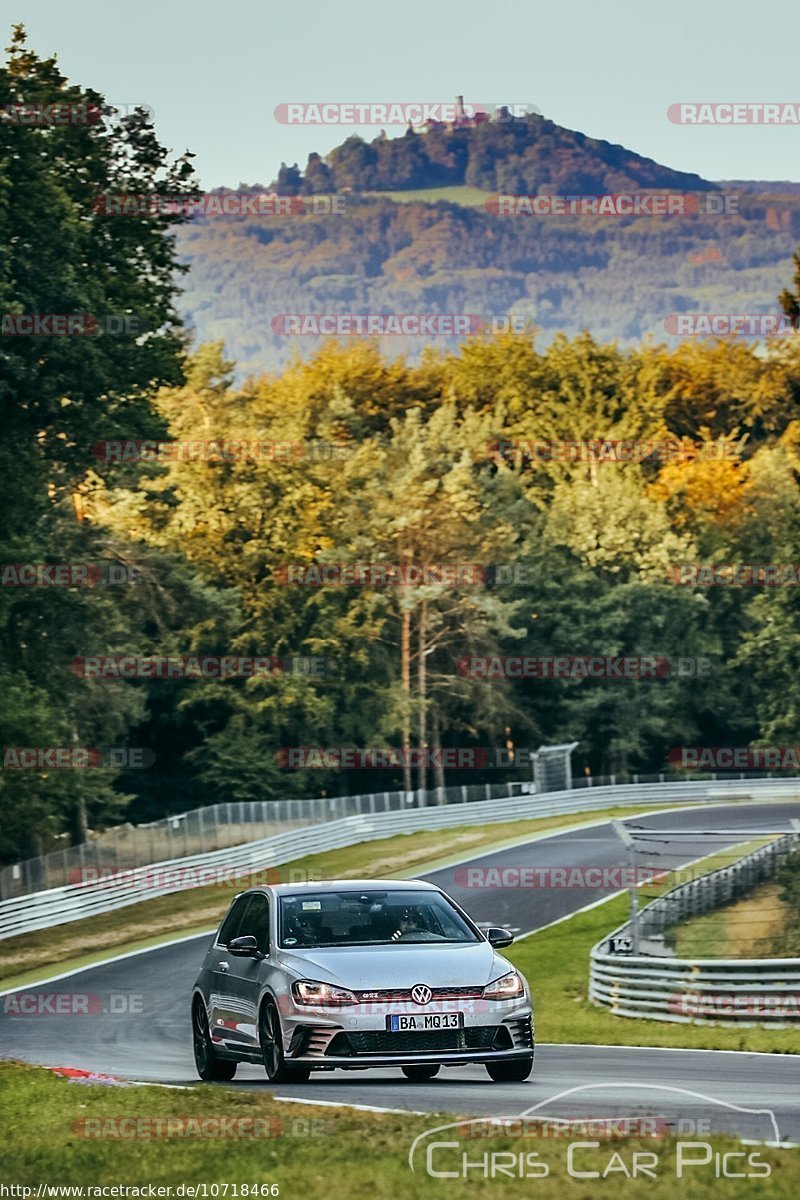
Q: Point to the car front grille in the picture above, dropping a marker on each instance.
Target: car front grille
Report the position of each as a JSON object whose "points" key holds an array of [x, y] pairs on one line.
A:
{"points": [[401, 995], [379, 1041]]}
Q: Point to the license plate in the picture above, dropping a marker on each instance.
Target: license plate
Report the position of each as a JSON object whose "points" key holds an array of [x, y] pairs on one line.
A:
{"points": [[406, 1021]]}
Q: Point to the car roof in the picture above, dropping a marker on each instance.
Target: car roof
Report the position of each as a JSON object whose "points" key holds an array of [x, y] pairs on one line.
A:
{"points": [[348, 885]]}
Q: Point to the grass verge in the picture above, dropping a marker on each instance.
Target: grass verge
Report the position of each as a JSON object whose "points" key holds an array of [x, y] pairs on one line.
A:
{"points": [[556, 963], [330, 1154], [754, 927]]}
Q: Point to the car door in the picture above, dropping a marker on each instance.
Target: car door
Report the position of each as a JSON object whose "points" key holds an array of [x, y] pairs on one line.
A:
{"points": [[218, 963], [242, 978]]}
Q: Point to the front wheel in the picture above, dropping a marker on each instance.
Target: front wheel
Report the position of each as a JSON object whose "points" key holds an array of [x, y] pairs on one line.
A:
{"points": [[209, 1066], [514, 1071], [269, 1033], [422, 1073]]}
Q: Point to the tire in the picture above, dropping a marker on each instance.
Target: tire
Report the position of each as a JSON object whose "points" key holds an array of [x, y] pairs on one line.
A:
{"points": [[271, 1041], [209, 1066], [421, 1073], [514, 1071]]}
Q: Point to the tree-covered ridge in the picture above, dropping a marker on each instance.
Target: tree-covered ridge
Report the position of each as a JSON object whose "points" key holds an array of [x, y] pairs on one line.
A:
{"points": [[619, 277], [518, 155]]}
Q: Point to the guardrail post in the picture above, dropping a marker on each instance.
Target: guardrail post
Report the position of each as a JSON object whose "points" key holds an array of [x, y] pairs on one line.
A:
{"points": [[628, 841]]}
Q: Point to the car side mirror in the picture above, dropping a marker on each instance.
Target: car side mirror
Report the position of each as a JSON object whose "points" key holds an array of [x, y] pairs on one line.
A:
{"points": [[499, 937], [244, 947]]}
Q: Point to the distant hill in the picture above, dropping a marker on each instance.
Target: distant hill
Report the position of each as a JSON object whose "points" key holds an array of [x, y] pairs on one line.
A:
{"points": [[434, 245], [763, 187], [517, 154]]}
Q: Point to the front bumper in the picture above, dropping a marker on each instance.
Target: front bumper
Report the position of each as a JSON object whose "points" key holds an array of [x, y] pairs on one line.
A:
{"points": [[361, 1062], [357, 1035]]}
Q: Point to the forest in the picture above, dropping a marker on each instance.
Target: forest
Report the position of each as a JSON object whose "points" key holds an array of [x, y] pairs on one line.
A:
{"points": [[347, 456]]}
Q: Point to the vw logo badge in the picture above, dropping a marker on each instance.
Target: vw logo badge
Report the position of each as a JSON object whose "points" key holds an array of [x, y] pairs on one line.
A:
{"points": [[421, 994]]}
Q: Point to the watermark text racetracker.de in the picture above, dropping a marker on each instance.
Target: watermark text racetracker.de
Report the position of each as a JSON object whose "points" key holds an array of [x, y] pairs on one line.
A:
{"points": [[198, 1128], [76, 574], [617, 878], [377, 324], [71, 1004], [174, 878], [200, 666], [616, 204], [735, 758], [409, 112], [46, 116], [331, 574], [735, 112], [381, 758], [614, 450], [613, 667], [219, 450], [77, 758], [721, 1006], [80, 324], [606, 878], [217, 204], [730, 325], [396, 324], [735, 574]]}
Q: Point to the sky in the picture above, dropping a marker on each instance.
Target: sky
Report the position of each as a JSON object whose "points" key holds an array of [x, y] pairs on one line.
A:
{"points": [[214, 73]]}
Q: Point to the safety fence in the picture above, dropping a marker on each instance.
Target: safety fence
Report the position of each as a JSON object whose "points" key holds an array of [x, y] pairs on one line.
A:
{"points": [[704, 990], [218, 826], [122, 884]]}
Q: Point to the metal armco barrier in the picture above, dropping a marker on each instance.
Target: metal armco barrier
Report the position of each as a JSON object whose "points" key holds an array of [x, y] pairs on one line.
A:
{"points": [[700, 990], [58, 905], [234, 823]]}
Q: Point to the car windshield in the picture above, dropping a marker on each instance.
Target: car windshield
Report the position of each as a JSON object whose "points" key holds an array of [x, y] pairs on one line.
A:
{"points": [[359, 918]]}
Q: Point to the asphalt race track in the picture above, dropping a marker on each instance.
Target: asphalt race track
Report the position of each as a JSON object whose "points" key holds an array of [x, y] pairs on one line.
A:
{"points": [[137, 1026]]}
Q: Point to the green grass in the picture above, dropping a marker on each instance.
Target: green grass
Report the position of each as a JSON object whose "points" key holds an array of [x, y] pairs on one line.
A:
{"points": [[759, 925], [314, 1153], [556, 963], [79, 943], [467, 197]]}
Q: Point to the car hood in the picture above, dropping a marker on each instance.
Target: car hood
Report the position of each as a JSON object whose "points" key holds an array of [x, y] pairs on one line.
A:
{"points": [[366, 967]]}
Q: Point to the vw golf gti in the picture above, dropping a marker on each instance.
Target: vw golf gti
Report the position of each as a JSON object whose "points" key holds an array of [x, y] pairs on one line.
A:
{"points": [[352, 975]]}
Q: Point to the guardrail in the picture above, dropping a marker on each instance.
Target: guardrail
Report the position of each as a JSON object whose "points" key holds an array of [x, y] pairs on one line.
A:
{"points": [[233, 823], [699, 990], [114, 890], [215, 827]]}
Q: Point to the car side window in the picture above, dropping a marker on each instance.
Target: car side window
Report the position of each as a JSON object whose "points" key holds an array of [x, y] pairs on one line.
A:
{"points": [[230, 926], [256, 921]]}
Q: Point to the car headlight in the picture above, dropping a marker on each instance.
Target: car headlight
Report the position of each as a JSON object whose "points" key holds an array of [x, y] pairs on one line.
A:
{"points": [[308, 991], [507, 987]]}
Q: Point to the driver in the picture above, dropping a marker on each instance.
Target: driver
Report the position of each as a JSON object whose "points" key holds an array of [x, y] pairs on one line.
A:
{"points": [[301, 927], [408, 921]]}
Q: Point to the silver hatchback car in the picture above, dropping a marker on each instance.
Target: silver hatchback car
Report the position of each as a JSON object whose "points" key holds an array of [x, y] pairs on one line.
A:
{"points": [[356, 974]]}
